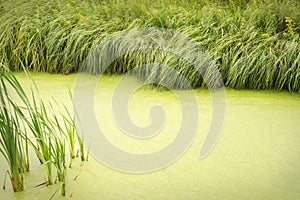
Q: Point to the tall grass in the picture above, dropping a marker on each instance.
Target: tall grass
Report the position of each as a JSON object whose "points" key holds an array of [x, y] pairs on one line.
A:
{"points": [[11, 143], [34, 115], [255, 43], [27, 122], [73, 137], [59, 155]]}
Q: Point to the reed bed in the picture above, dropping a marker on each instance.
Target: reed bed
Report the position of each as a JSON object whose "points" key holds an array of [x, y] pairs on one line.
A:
{"points": [[255, 43], [27, 122], [56, 37]]}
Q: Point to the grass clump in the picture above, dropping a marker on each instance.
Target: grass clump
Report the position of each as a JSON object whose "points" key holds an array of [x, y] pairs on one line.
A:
{"points": [[11, 142], [255, 43], [25, 123]]}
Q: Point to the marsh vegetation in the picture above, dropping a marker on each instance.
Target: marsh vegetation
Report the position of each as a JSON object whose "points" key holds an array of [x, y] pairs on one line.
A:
{"points": [[255, 45]]}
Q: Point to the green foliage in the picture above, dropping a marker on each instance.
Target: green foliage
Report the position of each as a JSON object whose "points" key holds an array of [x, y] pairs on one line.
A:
{"points": [[11, 143], [255, 43], [22, 117]]}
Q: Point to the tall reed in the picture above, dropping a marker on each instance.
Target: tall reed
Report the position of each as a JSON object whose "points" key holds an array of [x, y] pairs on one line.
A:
{"points": [[255, 43], [34, 115], [11, 142], [21, 116], [59, 155]]}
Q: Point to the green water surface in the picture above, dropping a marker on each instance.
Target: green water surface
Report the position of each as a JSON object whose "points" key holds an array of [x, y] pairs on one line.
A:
{"points": [[256, 157]]}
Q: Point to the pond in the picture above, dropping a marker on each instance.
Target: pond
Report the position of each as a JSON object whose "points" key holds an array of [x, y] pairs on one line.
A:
{"points": [[256, 156]]}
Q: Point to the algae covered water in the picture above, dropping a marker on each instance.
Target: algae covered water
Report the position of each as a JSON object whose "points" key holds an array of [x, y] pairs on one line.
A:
{"points": [[256, 157]]}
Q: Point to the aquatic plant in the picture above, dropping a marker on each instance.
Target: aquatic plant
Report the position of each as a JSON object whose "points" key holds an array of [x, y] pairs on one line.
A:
{"points": [[11, 141], [59, 156], [255, 43], [10, 145], [21, 116], [35, 117]]}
